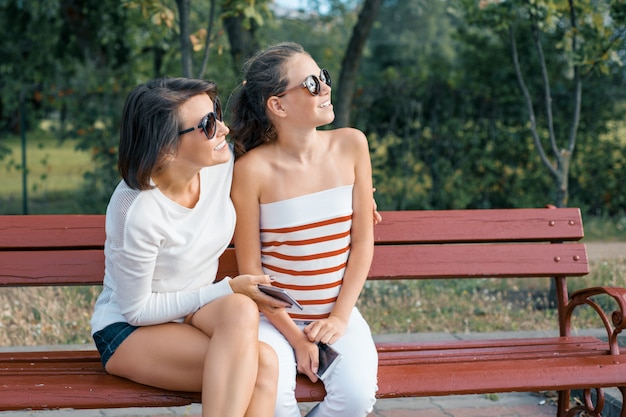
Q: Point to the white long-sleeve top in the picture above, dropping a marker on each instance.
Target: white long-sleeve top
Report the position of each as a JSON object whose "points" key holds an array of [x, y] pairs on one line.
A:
{"points": [[161, 258]]}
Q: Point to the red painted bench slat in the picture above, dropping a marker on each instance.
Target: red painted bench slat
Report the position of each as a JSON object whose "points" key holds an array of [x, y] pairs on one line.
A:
{"points": [[436, 226], [26, 268], [526, 375], [449, 226], [52, 231], [83, 391], [69, 267]]}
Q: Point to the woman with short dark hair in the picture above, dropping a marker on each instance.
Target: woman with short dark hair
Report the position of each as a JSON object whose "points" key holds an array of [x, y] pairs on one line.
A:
{"points": [[161, 319]]}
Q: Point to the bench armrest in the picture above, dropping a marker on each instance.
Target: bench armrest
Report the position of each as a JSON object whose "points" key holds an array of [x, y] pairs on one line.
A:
{"points": [[614, 326]]}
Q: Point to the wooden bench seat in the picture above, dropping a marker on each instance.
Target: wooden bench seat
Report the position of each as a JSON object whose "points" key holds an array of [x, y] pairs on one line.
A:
{"points": [[519, 243]]}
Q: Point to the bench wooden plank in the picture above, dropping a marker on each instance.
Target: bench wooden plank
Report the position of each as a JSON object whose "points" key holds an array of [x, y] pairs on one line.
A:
{"points": [[84, 391], [77, 267], [490, 350], [52, 231], [472, 261], [70, 267], [449, 226], [526, 375], [434, 226]]}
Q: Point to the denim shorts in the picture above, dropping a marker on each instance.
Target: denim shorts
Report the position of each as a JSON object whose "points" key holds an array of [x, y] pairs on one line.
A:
{"points": [[110, 338]]}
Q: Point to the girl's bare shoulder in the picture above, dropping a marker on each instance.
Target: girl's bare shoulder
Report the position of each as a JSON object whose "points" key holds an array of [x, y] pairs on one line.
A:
{"points": [[346, 138], [253, 157]]}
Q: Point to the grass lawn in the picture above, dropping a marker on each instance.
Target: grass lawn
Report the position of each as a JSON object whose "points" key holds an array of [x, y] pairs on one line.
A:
{"points": [[60, 315], [55, 171]]}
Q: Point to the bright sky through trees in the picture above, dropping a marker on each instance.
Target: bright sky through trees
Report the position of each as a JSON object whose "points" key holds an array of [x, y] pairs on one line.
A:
{"points": [[291, 4]]}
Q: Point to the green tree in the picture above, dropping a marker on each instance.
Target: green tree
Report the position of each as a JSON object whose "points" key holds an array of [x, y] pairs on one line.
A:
{"points": [[67, 58], [404, 101], [200, 28], [446, 120], [583, 41], [351, 60], [242, 20]]}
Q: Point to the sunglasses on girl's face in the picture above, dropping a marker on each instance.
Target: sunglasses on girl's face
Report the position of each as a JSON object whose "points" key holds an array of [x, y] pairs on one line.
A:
{"points": [[208, 122], [312, 83]]}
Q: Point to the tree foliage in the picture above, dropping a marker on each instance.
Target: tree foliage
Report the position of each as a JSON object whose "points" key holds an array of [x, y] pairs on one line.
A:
{"points": [[435, 86], [351, 60], [582, 41], [447, 113]]}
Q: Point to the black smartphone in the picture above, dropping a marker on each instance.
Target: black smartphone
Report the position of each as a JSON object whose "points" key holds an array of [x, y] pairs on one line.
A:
{"points": [[327, 360], [280, 294]]}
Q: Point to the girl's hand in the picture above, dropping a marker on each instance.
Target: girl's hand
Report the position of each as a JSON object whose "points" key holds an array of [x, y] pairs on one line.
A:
{"points": [[377, 216], [307, 359], [326, 330]]}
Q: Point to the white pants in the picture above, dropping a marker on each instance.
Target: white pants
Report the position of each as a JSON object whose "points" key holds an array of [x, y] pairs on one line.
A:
{"points": [[352, 385]]}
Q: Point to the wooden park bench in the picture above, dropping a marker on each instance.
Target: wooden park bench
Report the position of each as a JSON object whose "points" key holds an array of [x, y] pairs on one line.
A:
{"points": [[43, 250]]}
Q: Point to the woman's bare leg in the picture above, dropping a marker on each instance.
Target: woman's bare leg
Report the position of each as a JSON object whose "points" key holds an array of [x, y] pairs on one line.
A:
{"points": [[217, 354], [233, 356], [263, 400]]}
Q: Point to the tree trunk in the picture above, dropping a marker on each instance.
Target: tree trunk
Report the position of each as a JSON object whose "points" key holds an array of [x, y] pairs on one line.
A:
{"points": [[559, 169], [242, 41], [207, 45], [351, 60], [185, 43], [77, 22]]}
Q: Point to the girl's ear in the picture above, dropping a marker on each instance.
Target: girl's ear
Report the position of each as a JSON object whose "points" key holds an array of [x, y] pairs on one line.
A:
{"points": [[275, 107]]}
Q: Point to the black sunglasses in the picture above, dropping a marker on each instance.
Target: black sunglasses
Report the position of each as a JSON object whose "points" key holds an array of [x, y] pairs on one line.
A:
{"points": [[312, 83], [208, 122]]}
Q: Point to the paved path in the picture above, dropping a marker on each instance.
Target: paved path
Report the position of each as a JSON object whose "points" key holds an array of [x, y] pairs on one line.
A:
{"points": [[606, 250], [501, 405]]}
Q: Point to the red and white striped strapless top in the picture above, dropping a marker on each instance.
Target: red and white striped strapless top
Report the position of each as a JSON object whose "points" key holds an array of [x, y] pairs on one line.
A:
{"points": [[305, 243]]}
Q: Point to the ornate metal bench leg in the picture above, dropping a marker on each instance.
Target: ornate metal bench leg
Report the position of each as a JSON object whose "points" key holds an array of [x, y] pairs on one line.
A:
{"points": [[563, 404], [587, 408], [623, 391]]}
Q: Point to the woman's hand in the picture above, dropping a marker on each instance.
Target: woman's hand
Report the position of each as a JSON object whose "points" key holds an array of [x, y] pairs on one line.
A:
{"points": [[326, 330], [248, 285]]}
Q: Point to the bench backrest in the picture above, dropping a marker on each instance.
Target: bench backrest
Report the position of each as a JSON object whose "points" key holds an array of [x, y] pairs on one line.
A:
{"points": [[68, 249]]}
